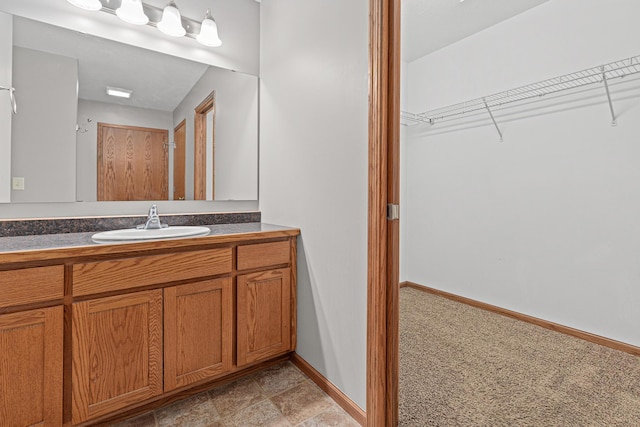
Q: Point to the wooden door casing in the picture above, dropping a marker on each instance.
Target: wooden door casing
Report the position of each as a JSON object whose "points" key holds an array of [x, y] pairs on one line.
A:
{"points": [[198, 331], [263, 315], [179, 161], [116, 353], [132, 163], [31, 354], [200, 182], [383, 253]]}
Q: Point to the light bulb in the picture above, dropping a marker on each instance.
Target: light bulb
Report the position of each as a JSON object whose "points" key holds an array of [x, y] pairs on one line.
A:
{"points": [[87, 4], [209, 32], [131, 11], [171, 23]]}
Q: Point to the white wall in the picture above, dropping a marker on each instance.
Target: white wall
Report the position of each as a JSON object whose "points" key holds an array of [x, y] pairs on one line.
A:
{"points": [[546, 222], [313, 171], [87, 148], [6, 54], [43, 132], [403, 172], [236, 132]]}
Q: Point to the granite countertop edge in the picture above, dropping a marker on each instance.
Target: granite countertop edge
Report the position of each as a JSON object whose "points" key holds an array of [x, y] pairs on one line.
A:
{"points": [[18, 245]]}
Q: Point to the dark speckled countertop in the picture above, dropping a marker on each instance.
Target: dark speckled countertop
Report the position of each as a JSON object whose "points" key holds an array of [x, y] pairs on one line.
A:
{"points": [[20, 244], [38, 227]]}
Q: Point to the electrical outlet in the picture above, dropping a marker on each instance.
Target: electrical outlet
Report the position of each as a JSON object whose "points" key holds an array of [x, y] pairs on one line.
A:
{"points": [[18, 183]]}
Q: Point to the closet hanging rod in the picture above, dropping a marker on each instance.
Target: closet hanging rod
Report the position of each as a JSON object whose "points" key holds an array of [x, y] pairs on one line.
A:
{"points": [[599, 74]]}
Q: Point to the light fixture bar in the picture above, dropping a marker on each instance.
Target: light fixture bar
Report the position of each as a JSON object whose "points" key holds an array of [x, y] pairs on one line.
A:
{"points": [[192, 27]]}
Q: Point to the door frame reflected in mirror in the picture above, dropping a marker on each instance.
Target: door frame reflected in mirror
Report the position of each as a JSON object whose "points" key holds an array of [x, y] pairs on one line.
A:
{"points": [[204, 175]]}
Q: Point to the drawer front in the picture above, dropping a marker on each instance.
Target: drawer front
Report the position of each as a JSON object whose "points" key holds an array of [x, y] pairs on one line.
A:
{"points": [[106, 276], [264, 255], [31, 285]]}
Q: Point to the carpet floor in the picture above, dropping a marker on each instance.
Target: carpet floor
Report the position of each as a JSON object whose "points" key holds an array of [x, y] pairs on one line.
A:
{"points": [[463, 366]]}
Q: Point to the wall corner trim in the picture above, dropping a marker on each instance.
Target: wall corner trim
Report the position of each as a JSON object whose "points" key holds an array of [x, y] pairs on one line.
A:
{"points": [[334, 392]]}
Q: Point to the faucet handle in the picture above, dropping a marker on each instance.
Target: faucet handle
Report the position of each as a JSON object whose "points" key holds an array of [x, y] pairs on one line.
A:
{"points": [[153, 220]]}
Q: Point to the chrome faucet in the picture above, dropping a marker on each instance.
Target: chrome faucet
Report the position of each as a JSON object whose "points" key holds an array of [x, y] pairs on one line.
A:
{"points": [[153, 220]]}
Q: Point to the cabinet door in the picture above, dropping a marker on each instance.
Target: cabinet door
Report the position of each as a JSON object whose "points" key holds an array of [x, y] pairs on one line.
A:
{"points": [[264, 315], [117, 353], [31, 368], [198, 332]]}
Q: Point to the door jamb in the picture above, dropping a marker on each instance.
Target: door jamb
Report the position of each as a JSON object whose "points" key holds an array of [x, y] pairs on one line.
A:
{"points": [[383, 242], [200, 147]]}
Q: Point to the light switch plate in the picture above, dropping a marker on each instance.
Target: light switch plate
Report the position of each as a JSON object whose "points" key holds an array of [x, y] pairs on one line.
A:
{"points": [[17, 183]]}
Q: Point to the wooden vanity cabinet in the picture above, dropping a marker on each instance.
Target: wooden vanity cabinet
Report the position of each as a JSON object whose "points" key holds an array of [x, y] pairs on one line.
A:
{"points": [[264, 315], [31, 367], [127, 328], [198, 332], [117, 353], [31, 346], [265, 303], [132, 347]]}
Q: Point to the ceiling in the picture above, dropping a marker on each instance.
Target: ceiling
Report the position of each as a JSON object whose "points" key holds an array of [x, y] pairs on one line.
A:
{"points": [[429, 25], [158, 81]]}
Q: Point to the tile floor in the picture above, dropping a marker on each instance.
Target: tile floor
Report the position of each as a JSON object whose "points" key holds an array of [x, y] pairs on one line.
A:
{"points": [[279, 396]]}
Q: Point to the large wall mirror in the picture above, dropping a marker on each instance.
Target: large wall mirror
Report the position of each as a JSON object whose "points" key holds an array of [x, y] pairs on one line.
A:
{"points": [[188, 131]]}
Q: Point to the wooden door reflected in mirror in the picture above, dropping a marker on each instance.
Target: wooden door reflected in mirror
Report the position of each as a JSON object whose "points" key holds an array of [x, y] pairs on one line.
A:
{"points": [[132, 163]]}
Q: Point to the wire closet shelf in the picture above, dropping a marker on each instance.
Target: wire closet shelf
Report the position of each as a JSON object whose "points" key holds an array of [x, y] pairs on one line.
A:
{"points": [[600, 74]]}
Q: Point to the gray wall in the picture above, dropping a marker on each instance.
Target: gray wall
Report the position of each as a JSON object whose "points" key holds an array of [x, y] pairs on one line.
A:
{"points": [[100, 112], [6, 48], [313, 171], [43, 132], [546, 222], [236, 132]]}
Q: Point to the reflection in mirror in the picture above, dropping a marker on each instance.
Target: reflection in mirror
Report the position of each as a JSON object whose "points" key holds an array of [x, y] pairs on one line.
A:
{"points": [[73, 142]]}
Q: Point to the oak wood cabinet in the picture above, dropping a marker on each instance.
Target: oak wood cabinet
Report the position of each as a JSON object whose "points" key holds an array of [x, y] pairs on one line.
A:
{"points": [[31, 345], [198, 331], [265, 300], [89, 334], [31, 367], [117, 353], [264, 315]]}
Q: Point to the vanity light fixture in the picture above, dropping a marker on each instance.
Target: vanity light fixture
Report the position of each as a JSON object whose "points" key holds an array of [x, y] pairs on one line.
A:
{"points": [[119, 92], [131, 11], [168, 20], [209, 32], [87, 4], [171, 23]]}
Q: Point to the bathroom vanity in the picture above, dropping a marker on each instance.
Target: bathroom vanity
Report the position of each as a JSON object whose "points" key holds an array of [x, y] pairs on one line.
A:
{"points": [[95, 331]]}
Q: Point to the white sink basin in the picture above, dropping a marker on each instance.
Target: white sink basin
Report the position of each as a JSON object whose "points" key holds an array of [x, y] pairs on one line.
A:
{"points": [[135, 234]]}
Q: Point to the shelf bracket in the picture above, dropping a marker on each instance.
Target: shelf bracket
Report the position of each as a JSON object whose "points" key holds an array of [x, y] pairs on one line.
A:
{"points": [[12, 98], [492, 118], [606, 87]]}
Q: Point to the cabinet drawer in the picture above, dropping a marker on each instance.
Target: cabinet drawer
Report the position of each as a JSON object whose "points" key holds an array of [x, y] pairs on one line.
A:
{"points": [[31, 285], [263, 255], [106, 276]]}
